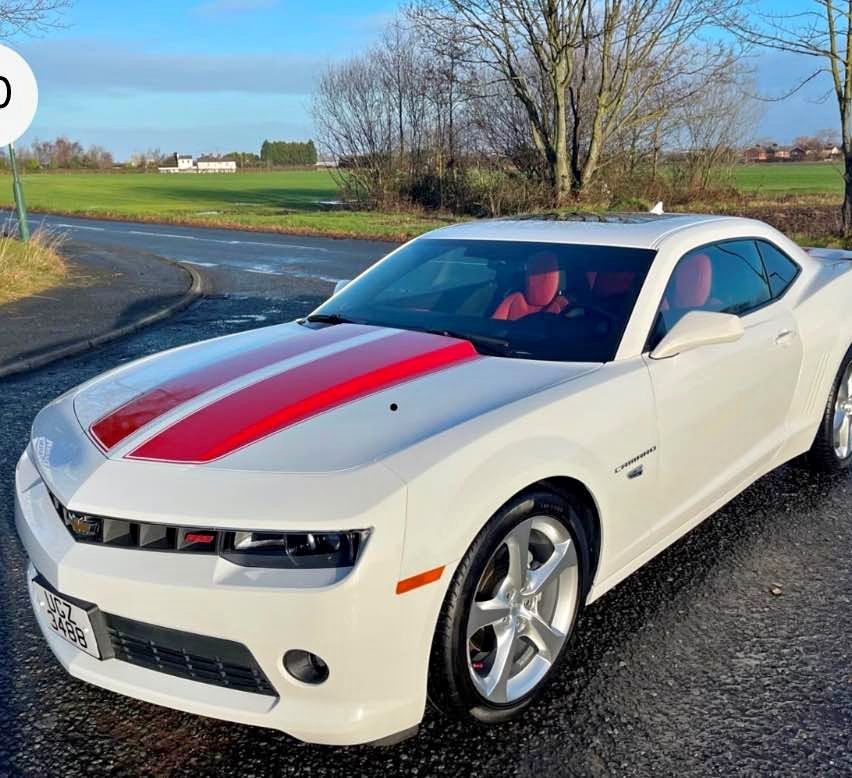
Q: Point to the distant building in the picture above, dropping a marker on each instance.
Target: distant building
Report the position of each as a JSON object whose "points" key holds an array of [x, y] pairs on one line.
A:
{"points": [[775, 153], [184, 163], [755, 154], [215, 165]]}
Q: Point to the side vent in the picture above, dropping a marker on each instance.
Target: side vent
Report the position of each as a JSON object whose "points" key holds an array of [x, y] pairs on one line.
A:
{"points": [[815, 397]]}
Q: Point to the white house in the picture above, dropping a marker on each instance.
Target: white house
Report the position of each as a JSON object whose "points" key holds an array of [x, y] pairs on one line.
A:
{"points": [[184, 163], [215, 165]]}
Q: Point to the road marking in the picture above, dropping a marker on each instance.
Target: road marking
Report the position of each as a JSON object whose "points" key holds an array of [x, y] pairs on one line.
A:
{"points": [[151, 234], [80, 227], [200, 264]]}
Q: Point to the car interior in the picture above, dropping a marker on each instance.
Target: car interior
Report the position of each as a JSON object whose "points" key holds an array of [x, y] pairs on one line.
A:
{"points": [[547, 301]]}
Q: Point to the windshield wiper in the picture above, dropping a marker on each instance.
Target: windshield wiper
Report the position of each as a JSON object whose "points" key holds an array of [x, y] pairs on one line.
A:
{"points": [[328, 318], [487, 343]]}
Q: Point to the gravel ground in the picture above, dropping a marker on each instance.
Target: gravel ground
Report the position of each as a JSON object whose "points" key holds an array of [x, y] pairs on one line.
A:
{"points": [[692, 666]]}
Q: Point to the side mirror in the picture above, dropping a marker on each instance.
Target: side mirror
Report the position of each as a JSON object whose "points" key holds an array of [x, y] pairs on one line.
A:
{"points": [[699, 328], [341, 285]]}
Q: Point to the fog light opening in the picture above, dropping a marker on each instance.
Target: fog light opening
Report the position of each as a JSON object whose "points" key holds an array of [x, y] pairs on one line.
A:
{"points": [[305, 666]]}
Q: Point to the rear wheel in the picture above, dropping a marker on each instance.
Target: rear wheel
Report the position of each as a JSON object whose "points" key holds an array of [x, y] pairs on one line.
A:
{"points": [[832, 448], [510, 610]]}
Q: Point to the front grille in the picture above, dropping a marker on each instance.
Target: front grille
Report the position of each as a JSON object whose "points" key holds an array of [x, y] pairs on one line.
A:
{"points": [[106, 531], [187, 655]]}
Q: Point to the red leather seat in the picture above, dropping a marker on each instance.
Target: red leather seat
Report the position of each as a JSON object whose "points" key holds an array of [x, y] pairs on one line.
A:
{"points": [[541, 293], [693, 281], [691, 284]]}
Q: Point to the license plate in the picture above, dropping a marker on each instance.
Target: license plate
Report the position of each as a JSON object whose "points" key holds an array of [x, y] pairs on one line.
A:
{"points": [[67, 620]]}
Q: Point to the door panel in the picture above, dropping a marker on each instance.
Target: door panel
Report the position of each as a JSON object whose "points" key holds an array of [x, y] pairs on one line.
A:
{"points": [[722, 411]]}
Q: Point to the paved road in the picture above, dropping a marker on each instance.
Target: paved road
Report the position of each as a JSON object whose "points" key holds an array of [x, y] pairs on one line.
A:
{"points": [[690, 667], [240, 262]]}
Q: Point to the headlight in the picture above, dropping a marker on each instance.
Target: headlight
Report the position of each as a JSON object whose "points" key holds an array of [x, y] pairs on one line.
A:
{"points": [[294, 550]]}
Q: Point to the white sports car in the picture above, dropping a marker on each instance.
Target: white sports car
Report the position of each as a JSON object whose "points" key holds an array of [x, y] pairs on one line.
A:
{"points": [[412, 492]]}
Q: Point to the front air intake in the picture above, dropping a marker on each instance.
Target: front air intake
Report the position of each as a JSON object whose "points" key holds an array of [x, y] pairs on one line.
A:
{"points": [[105, 531]]}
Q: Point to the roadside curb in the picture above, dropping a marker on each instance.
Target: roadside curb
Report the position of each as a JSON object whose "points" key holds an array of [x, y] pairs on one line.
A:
{"points": [[196, 290]]}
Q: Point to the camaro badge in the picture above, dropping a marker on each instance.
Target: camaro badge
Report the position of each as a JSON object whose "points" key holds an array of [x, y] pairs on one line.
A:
{"points": [[636, 472]]}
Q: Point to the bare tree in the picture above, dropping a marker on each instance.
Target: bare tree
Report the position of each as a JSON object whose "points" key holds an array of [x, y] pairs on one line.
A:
{"points": [[29, 16], [639, 61], [709, 130], [530, 45], [98, 157], [393, 117], [356, 124], [822, 31], [585, 71], [444, 115]]}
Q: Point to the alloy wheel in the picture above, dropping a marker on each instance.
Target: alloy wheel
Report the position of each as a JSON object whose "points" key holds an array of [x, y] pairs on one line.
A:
{"points": [[523, 609], [842, 423]]}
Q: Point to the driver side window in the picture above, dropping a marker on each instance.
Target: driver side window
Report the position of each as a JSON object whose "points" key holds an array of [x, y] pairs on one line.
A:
{"points": [[727, 277]]}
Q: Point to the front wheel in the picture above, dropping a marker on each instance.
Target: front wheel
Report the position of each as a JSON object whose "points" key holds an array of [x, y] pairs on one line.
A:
{"points": [[831, 451], [510, 609]]}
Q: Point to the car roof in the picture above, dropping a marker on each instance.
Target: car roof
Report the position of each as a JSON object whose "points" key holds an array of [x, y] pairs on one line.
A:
{"points": [[635, 230]]}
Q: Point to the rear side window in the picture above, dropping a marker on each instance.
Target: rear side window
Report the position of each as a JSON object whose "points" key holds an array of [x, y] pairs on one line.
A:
{"points": [[780, 269], [739, 284]]}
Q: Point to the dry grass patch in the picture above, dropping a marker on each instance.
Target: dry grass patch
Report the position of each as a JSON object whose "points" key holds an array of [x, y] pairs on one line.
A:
{"points": [[28, 268]]}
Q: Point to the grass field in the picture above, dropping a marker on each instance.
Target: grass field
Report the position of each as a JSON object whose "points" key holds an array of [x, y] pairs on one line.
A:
{"points": [[293, 201], [279, 201], [793, 178]]}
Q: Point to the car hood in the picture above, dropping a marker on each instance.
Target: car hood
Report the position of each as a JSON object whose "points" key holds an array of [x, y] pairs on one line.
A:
{"points": [[291, 398]]}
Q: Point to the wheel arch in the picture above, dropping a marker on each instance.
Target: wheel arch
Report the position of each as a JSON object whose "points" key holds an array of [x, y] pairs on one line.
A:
{"points": [[589, 516]]}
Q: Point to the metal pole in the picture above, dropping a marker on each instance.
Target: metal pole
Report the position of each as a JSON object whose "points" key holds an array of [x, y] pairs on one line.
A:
{"points": [[18, 192]]}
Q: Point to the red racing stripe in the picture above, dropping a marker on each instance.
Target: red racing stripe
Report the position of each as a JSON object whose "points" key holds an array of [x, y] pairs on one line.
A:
{"points": [[119, 424], [294, 395]]}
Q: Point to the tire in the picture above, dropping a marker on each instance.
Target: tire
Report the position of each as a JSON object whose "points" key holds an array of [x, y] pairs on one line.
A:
{"points": [[831, 451], [524, 625]]}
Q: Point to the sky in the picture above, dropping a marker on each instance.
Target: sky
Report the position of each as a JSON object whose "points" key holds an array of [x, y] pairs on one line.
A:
{"points": [[200, 76]]}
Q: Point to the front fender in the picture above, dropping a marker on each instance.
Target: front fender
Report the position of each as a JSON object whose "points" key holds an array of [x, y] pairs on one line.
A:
{"points": [[584, 430]]}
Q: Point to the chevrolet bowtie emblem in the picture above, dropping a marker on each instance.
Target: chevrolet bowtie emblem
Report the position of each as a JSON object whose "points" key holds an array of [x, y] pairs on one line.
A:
{"points": [[83, 526]]}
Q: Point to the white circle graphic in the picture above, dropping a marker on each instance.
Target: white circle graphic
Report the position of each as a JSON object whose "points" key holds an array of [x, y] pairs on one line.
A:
{"points": [[18, 96]]}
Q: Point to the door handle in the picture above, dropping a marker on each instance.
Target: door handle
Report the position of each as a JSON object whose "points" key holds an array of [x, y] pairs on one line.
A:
{"points": [[784, 337]]}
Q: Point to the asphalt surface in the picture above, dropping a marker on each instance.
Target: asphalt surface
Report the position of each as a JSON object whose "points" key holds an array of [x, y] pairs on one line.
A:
{"points": [[693, 666], [108, 289], [236, 261]]}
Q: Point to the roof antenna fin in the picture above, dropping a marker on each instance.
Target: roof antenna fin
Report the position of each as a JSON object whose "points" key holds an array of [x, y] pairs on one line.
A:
{"points": [[657, 210]]}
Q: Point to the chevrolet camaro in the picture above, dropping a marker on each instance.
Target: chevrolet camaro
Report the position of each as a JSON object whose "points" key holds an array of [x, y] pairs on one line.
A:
{"points": [[410, 494]]}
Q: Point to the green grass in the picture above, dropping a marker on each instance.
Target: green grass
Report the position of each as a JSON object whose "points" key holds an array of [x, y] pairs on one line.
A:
{"points": [[794, 178], [278, 201], [292, 201]]}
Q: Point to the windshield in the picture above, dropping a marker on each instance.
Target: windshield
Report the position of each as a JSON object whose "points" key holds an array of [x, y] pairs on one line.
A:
{"points": [[551, 301]]}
